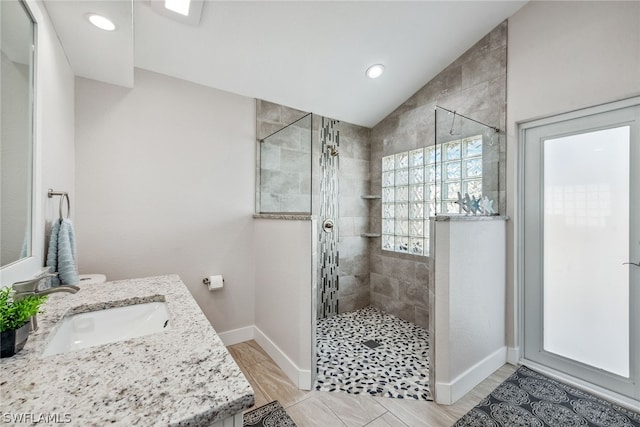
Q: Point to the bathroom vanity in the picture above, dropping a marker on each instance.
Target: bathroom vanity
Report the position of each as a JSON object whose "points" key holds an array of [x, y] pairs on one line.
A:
{"points": [[182, 375]]}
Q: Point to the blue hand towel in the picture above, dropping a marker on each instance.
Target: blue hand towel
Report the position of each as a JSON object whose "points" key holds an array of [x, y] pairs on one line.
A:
{"points": [[52, 254], [61, 256]]}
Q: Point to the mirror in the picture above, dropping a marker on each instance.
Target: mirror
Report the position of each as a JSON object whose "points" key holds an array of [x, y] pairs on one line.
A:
{"points": [[16, 124]]}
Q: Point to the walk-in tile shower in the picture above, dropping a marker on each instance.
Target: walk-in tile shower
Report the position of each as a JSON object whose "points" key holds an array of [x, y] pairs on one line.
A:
{"points": [[339, 196], [372, 192]]}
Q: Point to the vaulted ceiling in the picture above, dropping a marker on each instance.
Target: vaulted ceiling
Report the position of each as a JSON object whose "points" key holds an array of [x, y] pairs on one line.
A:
{"points": [[310, 55]]}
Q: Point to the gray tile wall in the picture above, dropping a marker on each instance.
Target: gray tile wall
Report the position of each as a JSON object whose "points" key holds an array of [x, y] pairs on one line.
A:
{"points": [[474, 85], [354, 181]]}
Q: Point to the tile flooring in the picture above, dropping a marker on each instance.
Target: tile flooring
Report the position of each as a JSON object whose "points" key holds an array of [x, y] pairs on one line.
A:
{"points": [[340, 409], [370, 351]]}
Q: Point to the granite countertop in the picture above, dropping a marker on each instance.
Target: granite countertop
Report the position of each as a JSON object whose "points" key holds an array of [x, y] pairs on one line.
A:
{"points": [[183, 376]]}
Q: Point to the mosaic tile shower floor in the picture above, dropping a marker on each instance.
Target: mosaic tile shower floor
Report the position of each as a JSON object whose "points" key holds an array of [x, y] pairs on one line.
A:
{"points": [[398, 367]]}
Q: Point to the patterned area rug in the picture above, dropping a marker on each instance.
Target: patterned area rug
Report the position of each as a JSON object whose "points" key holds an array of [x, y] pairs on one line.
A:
{"points": [[369, 351], [528, 398], [269, 415]]}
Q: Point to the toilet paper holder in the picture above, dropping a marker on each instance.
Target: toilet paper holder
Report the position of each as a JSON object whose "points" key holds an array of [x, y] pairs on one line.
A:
{"points": [[207, 281]]}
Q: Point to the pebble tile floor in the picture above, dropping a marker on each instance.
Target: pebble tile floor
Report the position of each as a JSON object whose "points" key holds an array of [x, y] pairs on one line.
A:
{"points": [[398, 367]]}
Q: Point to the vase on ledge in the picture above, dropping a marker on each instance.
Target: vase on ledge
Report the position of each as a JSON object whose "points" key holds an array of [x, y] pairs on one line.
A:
{"points": [[11, 342]]}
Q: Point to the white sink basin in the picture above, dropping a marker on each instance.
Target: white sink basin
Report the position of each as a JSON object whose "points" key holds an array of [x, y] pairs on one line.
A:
{"points": [[106, 326]]}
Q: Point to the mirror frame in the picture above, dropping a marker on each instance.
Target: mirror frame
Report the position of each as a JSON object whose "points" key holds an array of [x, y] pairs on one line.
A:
{"points": [[28, 267]]}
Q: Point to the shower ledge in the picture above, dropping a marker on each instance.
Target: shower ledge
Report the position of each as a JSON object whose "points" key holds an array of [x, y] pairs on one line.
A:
{"points": [[288, 217], [463, 217], [371, 197], [370, 235]]}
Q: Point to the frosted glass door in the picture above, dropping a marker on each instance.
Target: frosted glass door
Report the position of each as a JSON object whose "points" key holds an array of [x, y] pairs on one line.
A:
{"points": [[581, 226], [586, 225]]}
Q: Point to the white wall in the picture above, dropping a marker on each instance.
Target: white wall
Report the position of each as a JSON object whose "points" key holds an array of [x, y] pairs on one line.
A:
{"points": [[55, 129], [469, 281], [284, 294], [563, 56], [165, 184]]}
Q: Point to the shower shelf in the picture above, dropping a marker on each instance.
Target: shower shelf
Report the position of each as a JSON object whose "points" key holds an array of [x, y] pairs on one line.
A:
{"points": [[370, 235], [371, 197]]}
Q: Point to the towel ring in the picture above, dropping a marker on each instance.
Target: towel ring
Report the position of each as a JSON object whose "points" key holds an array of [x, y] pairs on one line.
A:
{"points": [[63, 195]]}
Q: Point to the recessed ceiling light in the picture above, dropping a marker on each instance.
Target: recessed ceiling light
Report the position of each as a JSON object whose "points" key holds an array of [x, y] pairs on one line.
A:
{"points": [[375, 71], [185, 11], [101, 22], [178, 6]]}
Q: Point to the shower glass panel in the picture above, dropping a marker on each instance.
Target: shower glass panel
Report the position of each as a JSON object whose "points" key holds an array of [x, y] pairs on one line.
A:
{"points": [[467, 158], [463, 163], [285, 170]]}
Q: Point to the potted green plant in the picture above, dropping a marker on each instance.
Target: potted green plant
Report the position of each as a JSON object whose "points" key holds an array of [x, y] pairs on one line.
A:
{"points": [[14, 320]]}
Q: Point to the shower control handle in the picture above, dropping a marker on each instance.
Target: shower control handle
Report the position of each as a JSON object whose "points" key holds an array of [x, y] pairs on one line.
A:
{"points": [[327, 225]]}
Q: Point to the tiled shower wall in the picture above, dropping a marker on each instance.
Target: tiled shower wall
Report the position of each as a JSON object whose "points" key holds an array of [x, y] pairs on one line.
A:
{"points": [[474, 85], [353, 174], [354, 182]]}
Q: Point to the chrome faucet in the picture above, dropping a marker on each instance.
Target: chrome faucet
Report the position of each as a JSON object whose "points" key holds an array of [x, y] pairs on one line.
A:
{"points": [[30, 288]]}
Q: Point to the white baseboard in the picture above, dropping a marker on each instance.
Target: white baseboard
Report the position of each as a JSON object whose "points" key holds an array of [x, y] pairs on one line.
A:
{"points": [[304, 379], [449, 393], [239, 335], [513, 355], [300, 377]]}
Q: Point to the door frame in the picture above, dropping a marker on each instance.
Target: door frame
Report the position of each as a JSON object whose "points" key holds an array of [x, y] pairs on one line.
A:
{"points": [[522, 127]]}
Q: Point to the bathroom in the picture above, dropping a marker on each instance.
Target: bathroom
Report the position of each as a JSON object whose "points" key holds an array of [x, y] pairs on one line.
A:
{"points": [[157, 190]]}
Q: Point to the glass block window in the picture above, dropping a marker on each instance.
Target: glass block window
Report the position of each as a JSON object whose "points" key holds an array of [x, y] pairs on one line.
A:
{"points": [[418, 184]]}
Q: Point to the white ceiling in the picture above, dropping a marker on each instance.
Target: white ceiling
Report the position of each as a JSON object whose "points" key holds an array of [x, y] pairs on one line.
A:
{"points": [[309, 55], [93, 53]]}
